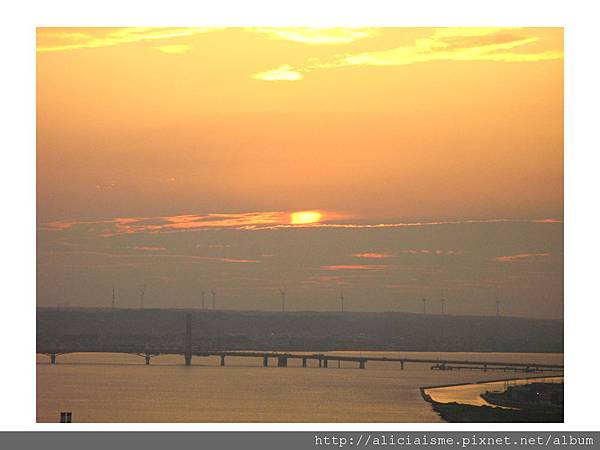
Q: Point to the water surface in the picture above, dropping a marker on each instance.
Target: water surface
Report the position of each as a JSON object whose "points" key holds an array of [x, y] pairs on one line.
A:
{"points": [[121, 388]]}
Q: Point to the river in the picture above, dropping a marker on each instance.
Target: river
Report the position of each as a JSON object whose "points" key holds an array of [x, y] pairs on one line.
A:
{"points": [[99, 387]]}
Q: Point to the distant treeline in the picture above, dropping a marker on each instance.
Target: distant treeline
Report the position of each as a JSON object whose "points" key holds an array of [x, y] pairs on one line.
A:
{"points": [[296, 331]]}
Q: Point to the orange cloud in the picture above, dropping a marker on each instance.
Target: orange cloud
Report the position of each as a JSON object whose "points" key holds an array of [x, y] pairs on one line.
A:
{"points": [[156, 255], [373, 255], [521, 257], [356, 267], [245, 221]]}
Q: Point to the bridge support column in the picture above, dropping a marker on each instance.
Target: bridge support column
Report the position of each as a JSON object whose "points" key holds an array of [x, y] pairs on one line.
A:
{"points": [[325, 363], [361, 364], [282, 361], [222, 360], [320, 362], [147, 357], [52, 358], [401, 365], [265, 361], [303, 362], [339, 363]]}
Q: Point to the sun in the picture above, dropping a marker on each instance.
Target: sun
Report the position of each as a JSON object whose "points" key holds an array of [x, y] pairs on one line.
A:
{"points": [[303, 217]]}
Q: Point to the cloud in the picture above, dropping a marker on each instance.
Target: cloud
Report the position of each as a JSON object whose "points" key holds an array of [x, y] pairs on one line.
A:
{"points": [[446, 44], [356, 267], [373, 255], [316, 36], [521, 257], [281, 73], [245, 221], [177, 50], [62, 39], [182, 257], [149, 248], [424, 251]]}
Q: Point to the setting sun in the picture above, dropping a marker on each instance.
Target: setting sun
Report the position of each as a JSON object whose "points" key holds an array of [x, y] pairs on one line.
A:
{"points": [[302, 217]]}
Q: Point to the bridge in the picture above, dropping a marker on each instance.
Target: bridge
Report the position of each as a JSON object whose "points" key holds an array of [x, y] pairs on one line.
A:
{"points": [[188, 351], [322, 359]]}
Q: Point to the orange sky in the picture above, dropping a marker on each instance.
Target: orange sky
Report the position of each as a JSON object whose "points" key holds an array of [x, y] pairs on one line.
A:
{"points": [[376, 123], [426, 161]]}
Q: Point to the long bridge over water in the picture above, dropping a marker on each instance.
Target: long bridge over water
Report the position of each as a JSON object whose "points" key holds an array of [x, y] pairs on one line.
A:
{"points": [[188, 351]]}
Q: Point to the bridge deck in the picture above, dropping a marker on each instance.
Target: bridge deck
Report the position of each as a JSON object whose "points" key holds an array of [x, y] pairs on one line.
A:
{"points": [[307, 356]]}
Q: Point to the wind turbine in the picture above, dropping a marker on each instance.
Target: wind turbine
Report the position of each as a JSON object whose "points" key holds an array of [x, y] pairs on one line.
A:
{"points": [[142, 292], [424, 300], [214, 294], [282, 292], [497, 303], [203, 294], [113, 298], [443, 302], [342, 299]]}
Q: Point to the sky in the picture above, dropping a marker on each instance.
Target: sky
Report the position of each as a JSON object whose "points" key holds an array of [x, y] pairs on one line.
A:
{"points": [[428, 163]]}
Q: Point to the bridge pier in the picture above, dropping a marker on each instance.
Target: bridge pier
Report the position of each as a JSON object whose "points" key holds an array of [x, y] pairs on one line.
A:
{"points": [[282, 361], [147, 357], [222, 360], [361, 364], [265, 361], [303, 362], [320, 362], [325, 363], [339, 363], [52, 358], [401, 365]]}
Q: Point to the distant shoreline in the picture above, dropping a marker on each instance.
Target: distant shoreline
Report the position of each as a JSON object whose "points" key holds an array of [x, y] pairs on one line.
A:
{"points": [[453, 412], [489, 381]]}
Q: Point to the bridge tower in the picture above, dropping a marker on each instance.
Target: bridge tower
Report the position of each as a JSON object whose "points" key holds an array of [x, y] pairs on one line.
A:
{"points": [[188, 339]]}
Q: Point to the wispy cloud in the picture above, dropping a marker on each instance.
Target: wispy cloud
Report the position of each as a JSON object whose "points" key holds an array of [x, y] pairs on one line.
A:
{"points": [[281, 73], [316, 36], [62, 39], [372, 255], [425, 251], [445, 44], [521, 257], [356, 267], [149, 248], [154, 256], [250, 221]]}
